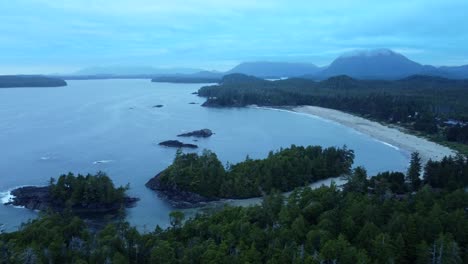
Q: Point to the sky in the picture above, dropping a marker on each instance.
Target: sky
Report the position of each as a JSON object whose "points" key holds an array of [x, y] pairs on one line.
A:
{"points": [[63, 36]]}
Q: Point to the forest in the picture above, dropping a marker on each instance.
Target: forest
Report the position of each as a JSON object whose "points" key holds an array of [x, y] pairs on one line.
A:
{"points": [[282, 170], [414, 217], [70, 190], [434, 106]]}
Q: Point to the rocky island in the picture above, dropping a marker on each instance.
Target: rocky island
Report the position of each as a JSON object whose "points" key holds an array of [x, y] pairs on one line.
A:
{"points": [[202, 133], [193, 179], [177, 144], [89, 194]]}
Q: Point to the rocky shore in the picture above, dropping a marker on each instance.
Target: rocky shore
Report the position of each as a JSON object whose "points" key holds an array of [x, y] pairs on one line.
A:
{"points": [[39, 198], [176, 197]]}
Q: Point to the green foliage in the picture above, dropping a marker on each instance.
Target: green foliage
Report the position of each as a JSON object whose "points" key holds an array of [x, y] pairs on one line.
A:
{"points": [[324, 225], [282, 170], [450, 172], [71, 190], [414, 102], [414, 171]]}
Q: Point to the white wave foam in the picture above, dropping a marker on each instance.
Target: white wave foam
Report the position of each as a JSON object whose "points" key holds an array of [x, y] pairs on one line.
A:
{"points": [[388, 144], [102, 161], [6, 197]]}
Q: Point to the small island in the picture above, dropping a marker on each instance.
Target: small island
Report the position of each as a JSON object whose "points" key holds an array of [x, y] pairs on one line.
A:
{"points": [[15, 81], [202, 133], [158, 106], [81, 194], [177, 144], [193, 179]]}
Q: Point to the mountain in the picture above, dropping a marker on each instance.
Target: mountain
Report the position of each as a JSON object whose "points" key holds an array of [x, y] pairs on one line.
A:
{"points": [[136, 70], [374, 64], [274, 69]]}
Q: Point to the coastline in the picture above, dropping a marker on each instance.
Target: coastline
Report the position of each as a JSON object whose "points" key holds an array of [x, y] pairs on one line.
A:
{"points": [[390, 136]]}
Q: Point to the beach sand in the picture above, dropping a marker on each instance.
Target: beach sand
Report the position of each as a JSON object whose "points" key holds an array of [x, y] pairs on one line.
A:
{"points": [[393, 136]]}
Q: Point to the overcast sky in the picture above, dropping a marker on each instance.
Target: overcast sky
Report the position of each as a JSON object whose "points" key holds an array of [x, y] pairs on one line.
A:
{"points": [[60, 36]]}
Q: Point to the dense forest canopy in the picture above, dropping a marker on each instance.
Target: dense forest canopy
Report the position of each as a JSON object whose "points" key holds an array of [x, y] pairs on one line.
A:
{"points": [[377, 220], [71, 190], [422, 103], [282, 170]]}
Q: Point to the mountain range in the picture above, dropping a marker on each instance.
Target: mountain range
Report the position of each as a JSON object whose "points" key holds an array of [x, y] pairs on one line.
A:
{"points": [[362, 64]]}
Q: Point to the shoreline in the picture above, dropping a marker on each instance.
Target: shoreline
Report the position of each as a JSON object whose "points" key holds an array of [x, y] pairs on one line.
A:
{"points": [[390, 136]]}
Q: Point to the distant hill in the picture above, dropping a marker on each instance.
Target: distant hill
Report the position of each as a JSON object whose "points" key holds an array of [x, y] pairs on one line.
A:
{"points": [[274, 69], [199, 77], [378, 64], [385, 64], [373, 64], [458, 72], [136, 70], [12, 81]]}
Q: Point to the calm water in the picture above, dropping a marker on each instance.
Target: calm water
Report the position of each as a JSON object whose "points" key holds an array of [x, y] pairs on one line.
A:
{"points": [[45, 132]]}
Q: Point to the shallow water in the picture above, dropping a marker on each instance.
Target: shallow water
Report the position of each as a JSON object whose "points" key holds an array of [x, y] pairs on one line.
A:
{"points": [[111, 125]]}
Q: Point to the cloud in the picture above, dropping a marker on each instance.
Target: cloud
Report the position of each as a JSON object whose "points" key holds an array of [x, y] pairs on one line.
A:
{"points": [[99, 32]]}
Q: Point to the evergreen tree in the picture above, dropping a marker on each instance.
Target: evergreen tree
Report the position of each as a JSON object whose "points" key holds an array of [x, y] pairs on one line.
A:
{"points": [[414, 172]]}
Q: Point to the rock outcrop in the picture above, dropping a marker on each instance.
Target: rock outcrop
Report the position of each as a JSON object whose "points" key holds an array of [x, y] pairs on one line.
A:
{"points": [[204, 133], [176, 197], [177, 144]]}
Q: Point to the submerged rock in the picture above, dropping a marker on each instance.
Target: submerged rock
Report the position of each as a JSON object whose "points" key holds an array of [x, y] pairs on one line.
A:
{"points": [[158, 106], [177, 144], [198, 133]]}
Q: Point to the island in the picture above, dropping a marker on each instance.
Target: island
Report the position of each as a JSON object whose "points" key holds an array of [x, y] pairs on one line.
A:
{"points": [[16, 81], [158, 106], [202, 133], [81, 194], [194, 179], [177, 144]]}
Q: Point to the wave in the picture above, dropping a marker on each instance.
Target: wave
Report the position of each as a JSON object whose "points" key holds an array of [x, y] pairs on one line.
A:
{"points": [[102, 161], [6, 196], [388, 144]]}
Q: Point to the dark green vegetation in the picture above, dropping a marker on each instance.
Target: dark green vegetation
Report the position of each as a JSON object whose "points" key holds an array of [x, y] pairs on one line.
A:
{"points": [[369, 221], [283, 170], [72, 191], [80, 194], [423, 104], [11, 81]]}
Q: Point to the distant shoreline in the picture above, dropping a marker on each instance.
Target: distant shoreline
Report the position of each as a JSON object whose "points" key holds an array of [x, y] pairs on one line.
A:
{"points": [[391, 136]]}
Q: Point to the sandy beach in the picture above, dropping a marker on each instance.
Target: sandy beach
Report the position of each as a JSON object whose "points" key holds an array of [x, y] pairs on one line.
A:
{"points": [[393, 136]]}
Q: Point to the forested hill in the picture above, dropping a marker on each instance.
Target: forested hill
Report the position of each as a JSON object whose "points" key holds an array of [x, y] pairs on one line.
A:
{"points": [[435, 106], [389, 218], [12, 81], [283, 170]]}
